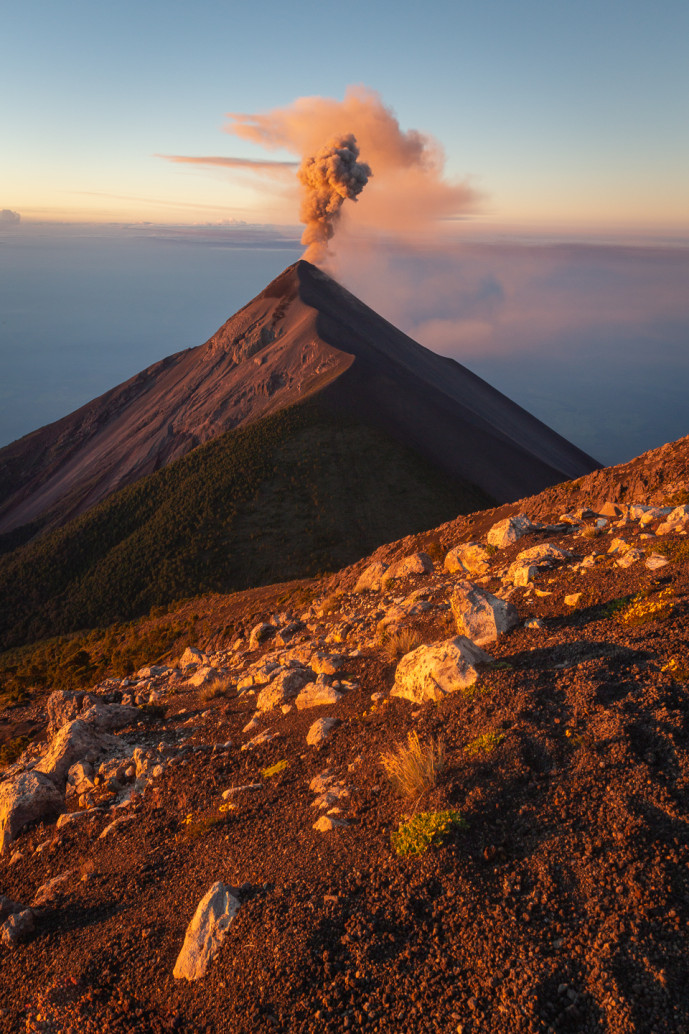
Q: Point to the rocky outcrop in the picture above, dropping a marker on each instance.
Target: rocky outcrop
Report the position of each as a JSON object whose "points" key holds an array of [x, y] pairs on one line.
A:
{"points": [[26, 798], [431, 672]]}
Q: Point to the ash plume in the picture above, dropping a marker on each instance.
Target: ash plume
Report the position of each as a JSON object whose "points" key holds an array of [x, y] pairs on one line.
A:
{"points": [[328, 178]]}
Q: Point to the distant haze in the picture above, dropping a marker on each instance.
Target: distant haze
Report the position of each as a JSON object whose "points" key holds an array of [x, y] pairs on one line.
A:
{"points": [[591, 338]]}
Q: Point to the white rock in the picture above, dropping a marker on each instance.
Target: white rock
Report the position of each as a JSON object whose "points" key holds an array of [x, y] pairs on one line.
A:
{"points": [[416, 564], [632, 556], [325, 663], [655, 561], [206, 932], [370, 579], [573, 599], [263, 737], [26, 798], [472, 557], [259, 633], [320, 731], [192, 656], [317, 694], [326, 823], [534, 623], [19, 926], [480, 615], [507, 531], [431, 672], [205, 676], [284, 687]]}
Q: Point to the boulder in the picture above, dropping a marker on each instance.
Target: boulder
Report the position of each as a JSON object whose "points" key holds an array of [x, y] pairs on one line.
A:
{"points": [[18, 927], [283, 687], [480, 615], [325, 663], [416, 564], [204, 676], [507, 531], [77, 741], [529, 562], [326, 823], [26, 798], [317, 694], [371, 577], [259, 634], [192, 656], [8, 907], [470, 557], [206, 932], [431, 672], [320, 731]]}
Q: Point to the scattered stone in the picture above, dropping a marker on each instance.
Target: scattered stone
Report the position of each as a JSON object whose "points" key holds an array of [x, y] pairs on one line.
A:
{"points": [[534, 623], [115, 824], [233, 791], [206, 932], [416, 564], [317, 694], [259, 634], [371, 578], [263, 737], [205, 676], [470, 557], [507, 531], [320, 731], [17, 928], [655, 560], [480, 615], [573, 599], [632, 556], [192, 655], [50, 889], [325, 663], [326, 823], [430, 672], [26, 798], [283, 687]]}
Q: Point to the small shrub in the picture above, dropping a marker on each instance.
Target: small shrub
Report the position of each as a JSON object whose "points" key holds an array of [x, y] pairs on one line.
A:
{"points": [[427, 829], [275, 769], [677, 498], [329, 604], [592, 532], [679, 670], [484, 744], [212, 690], [644, 608], [397, 644], [613, 607], [194, 829], [414, 767], [676, 549]]}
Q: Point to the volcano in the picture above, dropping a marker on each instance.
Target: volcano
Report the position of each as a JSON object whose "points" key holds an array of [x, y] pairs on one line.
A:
{"points": [[304, 335]]}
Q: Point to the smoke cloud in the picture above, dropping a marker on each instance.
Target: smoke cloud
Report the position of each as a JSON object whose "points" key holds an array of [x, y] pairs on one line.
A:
{"points": [[410, 191], [329, 178], [9, 218]]}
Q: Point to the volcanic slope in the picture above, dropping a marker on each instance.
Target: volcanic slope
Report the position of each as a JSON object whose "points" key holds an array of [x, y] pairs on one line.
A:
{"points": [[536, 882], [304, 335]]}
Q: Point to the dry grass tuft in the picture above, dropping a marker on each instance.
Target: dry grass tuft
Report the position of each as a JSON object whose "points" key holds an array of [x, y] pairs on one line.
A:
{"points": [[413, 767], [397, 644], [218, 688]]}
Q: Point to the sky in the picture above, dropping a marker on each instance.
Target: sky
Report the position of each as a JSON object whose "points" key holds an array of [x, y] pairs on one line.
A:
{"points": [[557, 113]]}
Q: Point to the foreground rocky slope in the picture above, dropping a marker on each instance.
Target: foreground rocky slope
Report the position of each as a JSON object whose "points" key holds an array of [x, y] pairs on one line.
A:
{"points": [[544, 647]]}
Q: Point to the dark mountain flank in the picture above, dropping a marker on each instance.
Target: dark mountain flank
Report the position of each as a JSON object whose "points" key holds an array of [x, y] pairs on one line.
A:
{"points": [[303, 336]]}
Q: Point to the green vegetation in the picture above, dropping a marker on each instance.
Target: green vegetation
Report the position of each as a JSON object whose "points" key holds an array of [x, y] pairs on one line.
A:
{"points": [[275, 769], [676, 550], [427, 829], [298, 493], [413, 767], [194, 829], [484, 744], [74, 661], [645, 607]]}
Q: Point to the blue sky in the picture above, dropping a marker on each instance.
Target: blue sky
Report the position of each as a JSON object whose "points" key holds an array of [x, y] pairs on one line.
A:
{"points": [[559, 113]]}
